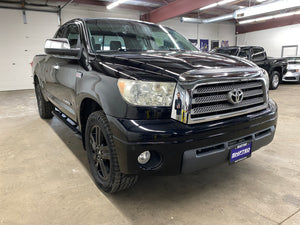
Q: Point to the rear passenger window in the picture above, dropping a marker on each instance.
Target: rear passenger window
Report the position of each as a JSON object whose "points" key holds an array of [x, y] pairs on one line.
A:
{"points": [[258, 54]]}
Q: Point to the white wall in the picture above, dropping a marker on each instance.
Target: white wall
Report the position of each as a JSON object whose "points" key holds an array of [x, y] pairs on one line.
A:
{"points": [[86, 11], [272, 39], [19, 43], [212, 31]]}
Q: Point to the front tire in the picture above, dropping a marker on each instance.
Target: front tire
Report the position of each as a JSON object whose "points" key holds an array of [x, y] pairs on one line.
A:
{"points": [[102, 155], [45, 108], [274, 80]]}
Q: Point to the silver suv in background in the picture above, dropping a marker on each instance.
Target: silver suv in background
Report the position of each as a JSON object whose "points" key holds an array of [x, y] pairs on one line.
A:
{"points": [[293, 70]]}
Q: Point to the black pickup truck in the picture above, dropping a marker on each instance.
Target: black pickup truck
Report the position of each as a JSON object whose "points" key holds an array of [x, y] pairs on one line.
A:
{"points": [[276, 67], [147, 102]]}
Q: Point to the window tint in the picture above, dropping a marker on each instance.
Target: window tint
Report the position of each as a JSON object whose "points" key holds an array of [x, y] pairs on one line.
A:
{"points": [[113, 43], [72, 34], [227, 51], [111, 35], [258, 54], [162, 40], [244, 53], [60, 32]]}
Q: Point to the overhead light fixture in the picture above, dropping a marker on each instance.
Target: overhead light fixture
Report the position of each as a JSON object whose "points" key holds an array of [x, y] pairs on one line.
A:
{"points": [[274, 6], [115, 4], [269, 17], [266, 8], [216, 4], [225, 2], [190, 20], [209, 6], [211, 20], [261, 0]]}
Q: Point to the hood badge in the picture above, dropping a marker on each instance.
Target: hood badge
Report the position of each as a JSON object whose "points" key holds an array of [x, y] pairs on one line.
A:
{"points": [[235, 96]]}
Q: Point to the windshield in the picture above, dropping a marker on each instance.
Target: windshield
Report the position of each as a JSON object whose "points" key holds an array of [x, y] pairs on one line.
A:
{"points": [[122, 35], [227, 51]]}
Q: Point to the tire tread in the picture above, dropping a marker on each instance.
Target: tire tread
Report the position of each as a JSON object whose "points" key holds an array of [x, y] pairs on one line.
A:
{"points": [[119, 180], [46, 108]]}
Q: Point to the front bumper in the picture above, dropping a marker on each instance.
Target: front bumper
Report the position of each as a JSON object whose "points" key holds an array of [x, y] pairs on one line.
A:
{"points": [[184, 148], [291, 77]]}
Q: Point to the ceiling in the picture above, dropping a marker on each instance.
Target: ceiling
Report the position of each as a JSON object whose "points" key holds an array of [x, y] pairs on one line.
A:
{"points": [[147, 6], [160, 10]]}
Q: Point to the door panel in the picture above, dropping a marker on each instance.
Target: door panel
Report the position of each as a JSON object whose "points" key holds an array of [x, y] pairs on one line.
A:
{"points": [[61, 75]]}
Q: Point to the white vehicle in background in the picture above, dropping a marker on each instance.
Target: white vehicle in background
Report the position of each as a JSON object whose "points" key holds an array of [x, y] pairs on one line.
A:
{"points": [[293, 70]]}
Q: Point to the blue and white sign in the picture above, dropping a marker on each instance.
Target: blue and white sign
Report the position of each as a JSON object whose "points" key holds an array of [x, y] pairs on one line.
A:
{"points": [[241, 152]]}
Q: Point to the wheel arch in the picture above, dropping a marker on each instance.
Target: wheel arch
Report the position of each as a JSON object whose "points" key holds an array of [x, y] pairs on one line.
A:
{"points": [[87, 106], [278, 69]]}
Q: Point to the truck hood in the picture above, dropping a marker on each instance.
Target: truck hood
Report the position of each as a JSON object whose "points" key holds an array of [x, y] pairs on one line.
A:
{"points": [[167, 66]]}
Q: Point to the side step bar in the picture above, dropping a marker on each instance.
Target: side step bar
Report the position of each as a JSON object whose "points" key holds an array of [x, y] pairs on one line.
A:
{"points": [[66, 120]]}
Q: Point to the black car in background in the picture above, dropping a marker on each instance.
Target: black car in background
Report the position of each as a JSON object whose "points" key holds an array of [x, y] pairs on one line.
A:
{"points": [[276, 67]]}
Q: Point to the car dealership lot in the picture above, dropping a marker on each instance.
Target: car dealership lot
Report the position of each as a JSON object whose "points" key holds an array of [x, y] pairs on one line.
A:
{"points": [[45, 179]]}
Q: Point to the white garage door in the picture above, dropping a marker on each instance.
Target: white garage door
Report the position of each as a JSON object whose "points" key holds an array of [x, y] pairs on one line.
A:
{"points": [[19, 42]]}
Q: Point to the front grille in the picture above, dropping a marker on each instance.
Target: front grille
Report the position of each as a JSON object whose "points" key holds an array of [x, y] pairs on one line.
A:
{"points": [[210, 101]]}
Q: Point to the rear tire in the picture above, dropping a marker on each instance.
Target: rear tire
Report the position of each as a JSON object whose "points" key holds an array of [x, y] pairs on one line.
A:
{"points": [[102, 156], [274, 80], [45, 108]]}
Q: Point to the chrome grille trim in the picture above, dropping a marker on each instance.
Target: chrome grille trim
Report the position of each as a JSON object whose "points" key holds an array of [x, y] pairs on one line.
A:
{"points": [[224, 107], [209, 101], [223, 97], [225, 88]]}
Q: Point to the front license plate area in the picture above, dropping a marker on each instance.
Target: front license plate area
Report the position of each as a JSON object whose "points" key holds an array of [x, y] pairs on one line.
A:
{"points": [[240, 152]]}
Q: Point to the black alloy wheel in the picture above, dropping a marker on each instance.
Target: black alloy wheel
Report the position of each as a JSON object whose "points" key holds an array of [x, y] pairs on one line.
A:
{"points": [[100, 151], [102, 155]]}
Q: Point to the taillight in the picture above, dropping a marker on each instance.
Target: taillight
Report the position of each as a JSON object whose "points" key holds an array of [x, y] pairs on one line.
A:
{"points": [[31, 64]]}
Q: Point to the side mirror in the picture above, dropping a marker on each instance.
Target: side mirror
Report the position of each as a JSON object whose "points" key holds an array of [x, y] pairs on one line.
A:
{"points": [[60, 47]]}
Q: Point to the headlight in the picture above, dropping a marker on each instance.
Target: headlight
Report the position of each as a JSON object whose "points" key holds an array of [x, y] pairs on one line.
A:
{"points": [[145, 93], [265, 75]]}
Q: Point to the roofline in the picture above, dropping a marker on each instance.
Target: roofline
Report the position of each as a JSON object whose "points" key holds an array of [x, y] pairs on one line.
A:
{"points": [[123, 19], [242, 46]]}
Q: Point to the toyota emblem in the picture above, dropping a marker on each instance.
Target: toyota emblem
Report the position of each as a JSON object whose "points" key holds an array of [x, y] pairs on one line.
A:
{"points": [[235, 96]]}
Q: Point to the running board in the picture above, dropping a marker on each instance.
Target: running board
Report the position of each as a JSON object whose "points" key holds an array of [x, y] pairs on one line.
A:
{"points": [[66, 120]]}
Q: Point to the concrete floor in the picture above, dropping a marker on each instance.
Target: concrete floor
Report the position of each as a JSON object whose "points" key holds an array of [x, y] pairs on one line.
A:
{"points": [[44, 177]]}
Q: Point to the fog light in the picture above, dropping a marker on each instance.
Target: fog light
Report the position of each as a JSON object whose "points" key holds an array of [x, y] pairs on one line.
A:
{"points": [[144, 157]]}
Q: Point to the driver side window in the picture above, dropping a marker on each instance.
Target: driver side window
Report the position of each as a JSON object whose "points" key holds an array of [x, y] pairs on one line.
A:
{"points": [[72, 34]]}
